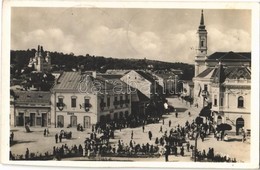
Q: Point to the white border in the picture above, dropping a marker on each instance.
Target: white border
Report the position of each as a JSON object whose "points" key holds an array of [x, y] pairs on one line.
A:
{"points": [[5, 70]]}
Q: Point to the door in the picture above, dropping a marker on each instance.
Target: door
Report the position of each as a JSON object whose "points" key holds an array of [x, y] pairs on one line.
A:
{"points": [[20, 120], [32, 119], [60, 122], [239, 124], [44, 119], [87, 122], [73, 121]]}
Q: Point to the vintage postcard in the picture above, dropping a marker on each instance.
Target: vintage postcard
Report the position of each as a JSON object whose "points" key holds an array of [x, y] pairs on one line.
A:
{"points": [[130, 84]]}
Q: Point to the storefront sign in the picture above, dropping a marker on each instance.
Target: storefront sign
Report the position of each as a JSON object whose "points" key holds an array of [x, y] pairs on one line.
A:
{"points": [[70, 113]]}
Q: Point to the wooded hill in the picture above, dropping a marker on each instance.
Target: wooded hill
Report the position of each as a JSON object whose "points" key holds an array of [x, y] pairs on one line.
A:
{"points": [[68, 62]]}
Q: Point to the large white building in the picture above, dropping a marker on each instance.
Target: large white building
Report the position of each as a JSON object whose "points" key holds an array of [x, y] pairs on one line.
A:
{"points": [[223, 80]]}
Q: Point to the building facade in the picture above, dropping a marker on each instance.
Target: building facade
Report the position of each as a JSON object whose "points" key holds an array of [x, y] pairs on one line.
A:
{"points": [[223, 80], [83, 99], [31, 108]]}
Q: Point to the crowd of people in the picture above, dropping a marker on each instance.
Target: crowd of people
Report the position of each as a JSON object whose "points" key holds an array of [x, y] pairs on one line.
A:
{"points": [[210, 156], [173, 141]]}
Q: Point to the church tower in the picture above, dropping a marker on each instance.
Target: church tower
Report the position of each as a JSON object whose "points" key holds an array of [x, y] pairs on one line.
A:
{"points": [[200, 64]]}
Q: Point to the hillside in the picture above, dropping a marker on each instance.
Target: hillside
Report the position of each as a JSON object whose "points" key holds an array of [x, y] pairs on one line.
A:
{"points": [[67, 62]]}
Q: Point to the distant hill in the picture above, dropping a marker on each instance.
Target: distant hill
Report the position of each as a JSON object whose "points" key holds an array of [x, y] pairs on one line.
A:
{"points": [[67, 62]]}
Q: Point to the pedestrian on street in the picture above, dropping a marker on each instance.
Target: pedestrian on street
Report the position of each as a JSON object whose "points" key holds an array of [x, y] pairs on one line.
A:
{"points": [[176, 114], [44, 132], [161, 129], [188, 146], [182, 151], [170, 122], [150, 135], [143, 128], [132, 135], [60, 137], [12, 136], [167, 152], [163, 121], [56, 137], [27, 153], [189, 114]]}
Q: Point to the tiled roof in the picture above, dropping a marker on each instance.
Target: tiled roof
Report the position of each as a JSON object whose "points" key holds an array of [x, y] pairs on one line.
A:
{"points": [[32, 97], [76, 82], [234, 56], [231, 72], [68, 81]]}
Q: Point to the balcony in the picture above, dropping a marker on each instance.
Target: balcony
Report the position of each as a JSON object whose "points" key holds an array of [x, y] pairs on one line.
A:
{"points": [[87, 106], [60, 106]]}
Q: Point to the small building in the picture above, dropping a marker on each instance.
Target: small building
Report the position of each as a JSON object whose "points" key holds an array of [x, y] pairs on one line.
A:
{"points": [[32, 108]]}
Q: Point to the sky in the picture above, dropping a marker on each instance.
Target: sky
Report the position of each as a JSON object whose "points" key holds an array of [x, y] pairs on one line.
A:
{"points": [[158, 34]]}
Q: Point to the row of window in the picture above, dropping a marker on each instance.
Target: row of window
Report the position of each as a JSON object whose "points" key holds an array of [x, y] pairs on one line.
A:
{"points": [[73, 101], [240, 101], [102, 103]]}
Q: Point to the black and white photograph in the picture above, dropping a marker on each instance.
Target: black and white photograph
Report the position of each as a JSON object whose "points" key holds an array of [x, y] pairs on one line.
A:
{"points": [[131, 84]]}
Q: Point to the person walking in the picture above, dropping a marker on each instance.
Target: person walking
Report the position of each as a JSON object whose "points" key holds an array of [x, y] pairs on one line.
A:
{"points": [[188, 146], [150, 135], [44, 132], [182, 151], [27, 153], [132, 134], [167, 152], [143, 128], [170, 123], [60, 137], [176, 114], [161, 130], [189, 114], [56, 137]]}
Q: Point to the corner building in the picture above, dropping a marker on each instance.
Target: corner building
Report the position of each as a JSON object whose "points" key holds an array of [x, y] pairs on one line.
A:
{"points": [[79, 98], [223, 80]]}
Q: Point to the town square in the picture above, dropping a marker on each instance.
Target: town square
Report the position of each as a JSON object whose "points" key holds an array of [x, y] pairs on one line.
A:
{"points": [[131, 85]]}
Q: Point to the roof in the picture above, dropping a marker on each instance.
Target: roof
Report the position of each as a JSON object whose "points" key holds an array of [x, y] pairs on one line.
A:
{"points": [[111, 76], [230, 56], [231, 72], [68, 81], [146, 75], [75, 81], [117, 71], [206, 72], [142, 97], [32, 97]]}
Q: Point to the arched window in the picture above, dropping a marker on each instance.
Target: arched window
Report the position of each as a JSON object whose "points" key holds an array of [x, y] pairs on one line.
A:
{"points": [[240, 102]]}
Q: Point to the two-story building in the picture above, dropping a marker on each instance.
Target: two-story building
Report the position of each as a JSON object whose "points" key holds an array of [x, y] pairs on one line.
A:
{"points": [[79, 98]]}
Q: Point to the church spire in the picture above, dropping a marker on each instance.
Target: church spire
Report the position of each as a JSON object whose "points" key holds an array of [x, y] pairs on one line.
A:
{"points": [[202, 26]]}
